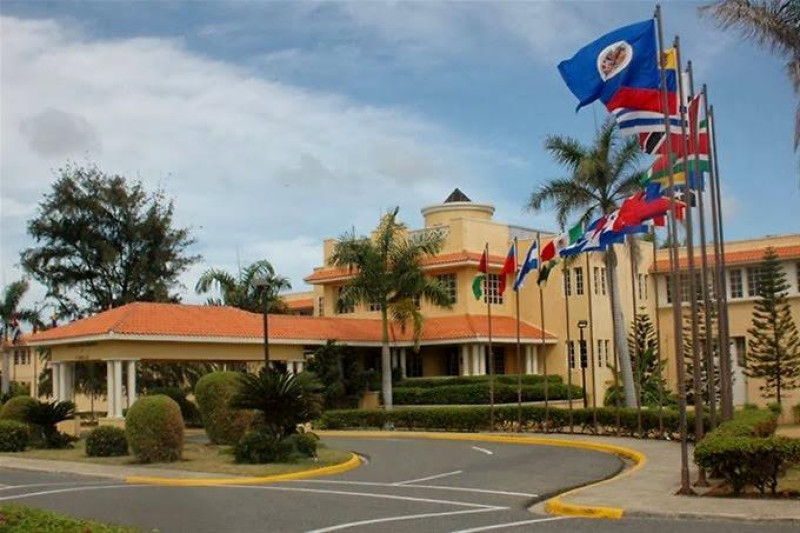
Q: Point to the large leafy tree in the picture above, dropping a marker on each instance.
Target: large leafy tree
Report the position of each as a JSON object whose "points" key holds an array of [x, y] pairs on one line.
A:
{"points": [[341, 371], [240, 291], [600, 176], [774, 24], [387, 271], [102, 241], [774, 341], [11, 312]]}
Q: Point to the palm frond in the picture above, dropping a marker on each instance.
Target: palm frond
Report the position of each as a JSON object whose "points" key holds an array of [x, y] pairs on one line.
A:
{"points": [[774, 24], [565, 150]]}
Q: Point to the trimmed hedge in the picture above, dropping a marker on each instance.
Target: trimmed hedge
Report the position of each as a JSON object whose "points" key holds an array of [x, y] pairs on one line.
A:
{"points": [[259, 447], [477, 418], [17, 408], [189, 410], [478, 394], [508, 379], [745, 452], [154, 428], [106, 441], [223, 424], [14, 436]]}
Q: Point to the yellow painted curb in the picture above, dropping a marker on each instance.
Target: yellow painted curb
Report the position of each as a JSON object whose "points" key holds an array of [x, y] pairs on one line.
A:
{"points": [[351, 463], [554, 505]]}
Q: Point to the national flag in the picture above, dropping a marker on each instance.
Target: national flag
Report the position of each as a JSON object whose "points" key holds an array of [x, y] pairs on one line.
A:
{"points": [[530, 263], [548, 251], [569, 237], [544, 272], [620, 68], [509, 267], [477, 283]]}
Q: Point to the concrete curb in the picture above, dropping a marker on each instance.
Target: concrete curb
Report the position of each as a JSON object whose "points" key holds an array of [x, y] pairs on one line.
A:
{"points": [[554, 505], [353, 462]]}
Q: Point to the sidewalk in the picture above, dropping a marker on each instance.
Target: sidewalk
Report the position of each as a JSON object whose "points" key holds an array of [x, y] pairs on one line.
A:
{"points": [[649, 491], [107, 471]]}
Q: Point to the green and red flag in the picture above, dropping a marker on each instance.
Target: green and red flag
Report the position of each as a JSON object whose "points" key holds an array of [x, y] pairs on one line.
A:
{"points": [[477, 283]]}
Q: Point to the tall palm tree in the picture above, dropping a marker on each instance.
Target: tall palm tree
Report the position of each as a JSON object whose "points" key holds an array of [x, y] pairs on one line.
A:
{"points": [[10, 310], [240, 292], [387, 272], [600, 177], [771, 23]]}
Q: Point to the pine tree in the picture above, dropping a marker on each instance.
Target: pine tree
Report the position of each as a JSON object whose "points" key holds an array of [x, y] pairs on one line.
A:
{"points": [[774, 343], [701, 338]]}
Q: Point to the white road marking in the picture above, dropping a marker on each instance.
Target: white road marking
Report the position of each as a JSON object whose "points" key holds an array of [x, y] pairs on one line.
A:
{"points": [[368, 495], [55, 484], [510, 524], [72, 489], [403, 517], [437, 487], [437, 476], [484, 450]]}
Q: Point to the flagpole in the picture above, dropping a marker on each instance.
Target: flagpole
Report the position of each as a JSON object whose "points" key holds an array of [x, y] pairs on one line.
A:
{"points": [[725, 356], [519, 347], [491, 353], [637, 356], [565, 273], [658, 339], [591, 354], [675, 279], [701, 214], [544, 356]]}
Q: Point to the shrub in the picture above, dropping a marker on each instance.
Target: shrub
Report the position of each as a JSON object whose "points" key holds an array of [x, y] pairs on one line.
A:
{"points": [[189, 410], [106, 441], [478, 394], [154, 428], [506, 379], [775, 408], [223, 423], [16, 407], [14, 436], [259, 447], [44, 418], [304, 443]]}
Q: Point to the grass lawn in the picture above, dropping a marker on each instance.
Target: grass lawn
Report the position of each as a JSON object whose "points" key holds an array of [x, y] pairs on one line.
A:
{"points": [[17, 519], [197, 457], [791, 481]]}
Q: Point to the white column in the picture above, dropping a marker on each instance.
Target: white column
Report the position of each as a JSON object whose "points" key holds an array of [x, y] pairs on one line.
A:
{"points": [[110, 388], [131, 383], [300, 365], [464, 360], [117, 389], [69, 391], [54, 379], [62, 381], [403, 362], [6, 385]]}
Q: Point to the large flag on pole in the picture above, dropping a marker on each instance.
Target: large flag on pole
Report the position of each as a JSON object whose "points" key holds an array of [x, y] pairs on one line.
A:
{"points": [[477, 283], [509, 267], [530, 263]]}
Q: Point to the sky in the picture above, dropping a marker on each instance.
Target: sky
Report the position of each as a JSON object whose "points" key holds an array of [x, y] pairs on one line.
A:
{"points": [[275, 125]]}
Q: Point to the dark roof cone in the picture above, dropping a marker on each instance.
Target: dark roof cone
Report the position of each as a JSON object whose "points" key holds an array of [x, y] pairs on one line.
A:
{"points": [[457, 196]]}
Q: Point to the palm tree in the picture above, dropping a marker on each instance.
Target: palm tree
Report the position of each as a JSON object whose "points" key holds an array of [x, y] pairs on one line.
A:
{"points": [[10, 311], [387, 271], [600, 177], [771, 23], [240, 291], [44, 417]]}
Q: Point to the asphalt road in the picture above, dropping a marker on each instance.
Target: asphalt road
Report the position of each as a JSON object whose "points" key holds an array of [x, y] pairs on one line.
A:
{"points": [[406, 486]]}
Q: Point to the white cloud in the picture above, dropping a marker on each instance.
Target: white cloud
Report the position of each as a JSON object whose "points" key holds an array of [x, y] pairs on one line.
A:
{"points": [[243, 157]]}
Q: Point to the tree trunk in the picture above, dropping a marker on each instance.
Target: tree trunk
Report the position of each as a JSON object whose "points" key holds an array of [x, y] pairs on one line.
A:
{"points": [[386, 362], [618, 323]]}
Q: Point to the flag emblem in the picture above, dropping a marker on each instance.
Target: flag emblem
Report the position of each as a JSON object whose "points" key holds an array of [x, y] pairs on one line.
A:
{"points": [[613, 59]]}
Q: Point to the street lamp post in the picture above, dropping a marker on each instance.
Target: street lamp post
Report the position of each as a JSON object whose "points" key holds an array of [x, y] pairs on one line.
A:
{"points": [[263, 285], [582, 324]]}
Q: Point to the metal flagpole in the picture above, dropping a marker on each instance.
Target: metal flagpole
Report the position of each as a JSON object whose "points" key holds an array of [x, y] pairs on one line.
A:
{"points": [[541, 346], [697, 377], [701, 215], [565, 273], [491, 353], [591, 356], [637, 355], [519, 347], [675, 279], [725, 354], [658, 340]]}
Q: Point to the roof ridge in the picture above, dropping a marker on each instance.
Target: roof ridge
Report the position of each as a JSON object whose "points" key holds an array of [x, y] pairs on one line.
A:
{"points": [[125, 315]]}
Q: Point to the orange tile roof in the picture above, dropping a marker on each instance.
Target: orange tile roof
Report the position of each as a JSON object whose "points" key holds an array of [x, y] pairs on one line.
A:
{"points": [[176, 320], [754, 255], [324, 274], [305, 303]]}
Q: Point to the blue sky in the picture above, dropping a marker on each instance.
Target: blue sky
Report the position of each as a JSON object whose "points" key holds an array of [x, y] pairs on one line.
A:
{"points": [[276, 125]]}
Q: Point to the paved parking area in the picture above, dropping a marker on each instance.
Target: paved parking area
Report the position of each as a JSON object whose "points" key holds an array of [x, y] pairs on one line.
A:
{"points": [[405, 485]]}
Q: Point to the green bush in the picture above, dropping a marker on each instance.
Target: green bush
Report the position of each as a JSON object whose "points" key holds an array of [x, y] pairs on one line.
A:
{"points": [[507, 379], [44, 417], [304, 443], [223, 423], [259, 447], [775, 408], [14, 436], [16, 408], [19, 519], [106, 441], [478, 394], [189, 410], [154, 428]]}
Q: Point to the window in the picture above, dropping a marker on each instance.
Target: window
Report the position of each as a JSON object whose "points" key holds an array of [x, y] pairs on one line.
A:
{"points": [[493, 290], [374, 306], [413, 364], [579, 281], [684, 287], [735, 282], [753, 280], [603, 281], [596, 281], [499, 360], [643, 286], [606, 343], [448, 282], [571, 354], [344, 309], [453, 362], [321, 306], [599, 352], [567, 283]]}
